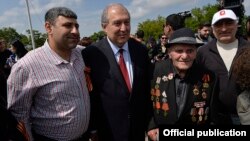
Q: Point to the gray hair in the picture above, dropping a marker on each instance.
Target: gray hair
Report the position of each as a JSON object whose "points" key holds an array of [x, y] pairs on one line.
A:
{"points": [[104, 18], [53, 13]]}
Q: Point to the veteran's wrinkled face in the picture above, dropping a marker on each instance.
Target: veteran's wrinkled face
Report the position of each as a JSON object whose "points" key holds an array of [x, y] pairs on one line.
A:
{"points": [[182, 56]]}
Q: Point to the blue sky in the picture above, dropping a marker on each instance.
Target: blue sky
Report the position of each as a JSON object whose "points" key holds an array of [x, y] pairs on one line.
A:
{"points": [[13, 13]]}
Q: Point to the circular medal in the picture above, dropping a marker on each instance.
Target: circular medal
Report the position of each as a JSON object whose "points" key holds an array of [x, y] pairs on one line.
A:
{"points": [[204, 95], [193, 118], [205, 85], [200, 118], [196, 91]]}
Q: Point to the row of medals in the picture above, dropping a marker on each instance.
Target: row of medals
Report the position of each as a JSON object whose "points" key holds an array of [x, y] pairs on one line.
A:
{"points": [[197, 112]]}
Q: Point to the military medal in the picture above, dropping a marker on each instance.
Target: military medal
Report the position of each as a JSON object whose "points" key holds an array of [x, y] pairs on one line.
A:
{"points": [[164, 94], [193, 118], [200, 118], [170, 76], [206, 79], [158, 80], [165, 108], [165, 78], [193, 114], [205, 118], [196, 90], [205, 85], [199, 104], [204, 95], [157, 106]]}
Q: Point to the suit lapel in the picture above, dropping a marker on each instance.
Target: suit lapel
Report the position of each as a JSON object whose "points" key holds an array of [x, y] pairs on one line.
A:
{"points": [[115, 69], [132, 53]]}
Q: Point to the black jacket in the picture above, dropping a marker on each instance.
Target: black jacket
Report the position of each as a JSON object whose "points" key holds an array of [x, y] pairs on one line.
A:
{"points": [[209, 56], [201, 89], [117, 114]]}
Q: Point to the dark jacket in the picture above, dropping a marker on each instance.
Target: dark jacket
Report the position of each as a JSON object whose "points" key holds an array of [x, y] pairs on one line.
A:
{"points": [[3, 58], [209, 56], [201, 89], [117, 114], [8, 123]]}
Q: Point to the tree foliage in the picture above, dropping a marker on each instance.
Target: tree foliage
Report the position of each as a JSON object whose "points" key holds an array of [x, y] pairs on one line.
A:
{"points": [[97, 35], [201, 15], [9, 34], [152, 28], [39, 38]]}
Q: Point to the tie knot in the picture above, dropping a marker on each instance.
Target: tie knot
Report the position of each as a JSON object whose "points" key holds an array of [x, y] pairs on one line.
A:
{"points": [[121, 51]]}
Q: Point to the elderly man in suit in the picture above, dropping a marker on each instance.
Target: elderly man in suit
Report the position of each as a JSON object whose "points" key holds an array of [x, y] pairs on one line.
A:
{"points": [[120, 98]]}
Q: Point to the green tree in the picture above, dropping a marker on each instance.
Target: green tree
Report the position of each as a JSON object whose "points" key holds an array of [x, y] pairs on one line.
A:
{"points": [[9, 34], [97, 36], [39, 38], [152, 28], [201, 15]]}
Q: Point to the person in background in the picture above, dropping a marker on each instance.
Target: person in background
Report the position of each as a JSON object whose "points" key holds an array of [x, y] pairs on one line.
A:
{"points": [[182, 91], [9, 128], [139, 36], [204, 32], [218, 56], [47, 90], [120, 98], [241, 70], [162, 49], [172, 23], [152, 49], [4, 55], [18, 50], [85, 41]]}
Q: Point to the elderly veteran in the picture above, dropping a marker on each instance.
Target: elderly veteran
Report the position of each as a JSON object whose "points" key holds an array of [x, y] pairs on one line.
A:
{"points": [[182, 92]]}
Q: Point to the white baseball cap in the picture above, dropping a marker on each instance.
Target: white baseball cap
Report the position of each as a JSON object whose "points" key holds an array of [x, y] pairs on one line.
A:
{"points": [[224, 14]]}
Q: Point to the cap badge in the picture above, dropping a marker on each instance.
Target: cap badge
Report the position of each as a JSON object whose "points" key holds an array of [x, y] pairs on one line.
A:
{"points": [[222, 12]]}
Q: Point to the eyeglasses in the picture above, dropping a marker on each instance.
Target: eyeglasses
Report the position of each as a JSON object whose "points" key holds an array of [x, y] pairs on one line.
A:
{"points": [[164, 38]]}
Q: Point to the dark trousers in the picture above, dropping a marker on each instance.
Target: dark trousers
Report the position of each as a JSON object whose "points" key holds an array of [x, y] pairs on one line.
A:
{"points": [[38, 137]]}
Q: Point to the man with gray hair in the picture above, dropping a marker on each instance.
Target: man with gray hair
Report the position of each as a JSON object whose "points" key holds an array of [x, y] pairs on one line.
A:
{"points": [[219, 55], [120, 76], [47, 88]]}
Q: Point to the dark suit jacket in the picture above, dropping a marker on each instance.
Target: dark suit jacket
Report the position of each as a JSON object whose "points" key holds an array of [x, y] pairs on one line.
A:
{"points": [[117, 114], [195, 79]]}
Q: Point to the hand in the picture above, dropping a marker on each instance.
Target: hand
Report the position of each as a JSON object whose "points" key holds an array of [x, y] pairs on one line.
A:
{"points": [[153, 134]]}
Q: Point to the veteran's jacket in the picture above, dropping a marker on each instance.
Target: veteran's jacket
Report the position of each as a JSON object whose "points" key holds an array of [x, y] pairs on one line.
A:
{"points": [[200, 103]]}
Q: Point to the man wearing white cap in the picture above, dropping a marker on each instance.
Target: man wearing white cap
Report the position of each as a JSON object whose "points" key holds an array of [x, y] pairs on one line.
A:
{"points": [[218, 56]]}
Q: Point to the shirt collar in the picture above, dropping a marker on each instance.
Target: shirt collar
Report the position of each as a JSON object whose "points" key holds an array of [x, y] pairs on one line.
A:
{"points": [[115, 48], [55, 58]]}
